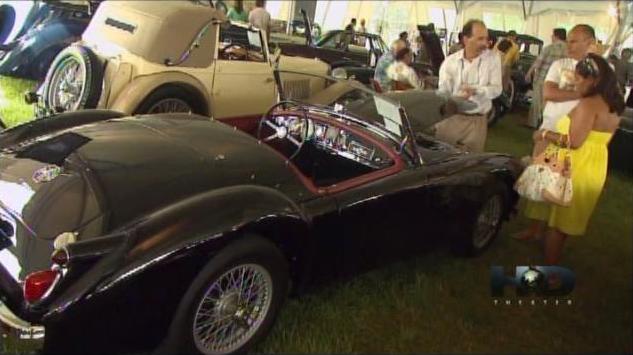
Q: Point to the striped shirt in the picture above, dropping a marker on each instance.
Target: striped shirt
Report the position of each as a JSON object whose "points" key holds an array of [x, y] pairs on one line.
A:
{"points": [[549, 55]]}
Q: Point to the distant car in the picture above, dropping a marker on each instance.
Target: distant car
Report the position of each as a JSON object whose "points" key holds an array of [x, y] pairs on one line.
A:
{"points": [[298, 27], [50, 28], [16, 17], [166, 56], [516, 92], [354, 53], [182, 234]]}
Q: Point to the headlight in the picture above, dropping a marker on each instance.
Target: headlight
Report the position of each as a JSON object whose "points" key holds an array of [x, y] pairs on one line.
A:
{"points": [[339, 73]]}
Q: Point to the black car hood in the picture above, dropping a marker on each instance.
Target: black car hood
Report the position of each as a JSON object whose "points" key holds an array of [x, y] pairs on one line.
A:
{"points": [[132, 166]]}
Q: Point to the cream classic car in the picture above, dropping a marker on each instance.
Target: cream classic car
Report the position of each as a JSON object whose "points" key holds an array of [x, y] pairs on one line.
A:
{"points": [[168, 56]]}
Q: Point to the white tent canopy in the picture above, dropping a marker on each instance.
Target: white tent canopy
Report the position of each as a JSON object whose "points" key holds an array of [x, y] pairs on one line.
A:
{"points": [[611, 19]]}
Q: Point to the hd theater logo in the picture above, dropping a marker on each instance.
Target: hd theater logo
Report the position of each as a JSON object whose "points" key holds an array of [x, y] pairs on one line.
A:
{"points": [[543, 285]]}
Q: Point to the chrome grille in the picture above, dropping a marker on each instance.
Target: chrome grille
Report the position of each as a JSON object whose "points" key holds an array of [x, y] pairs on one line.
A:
{"points": [[297, 89]]}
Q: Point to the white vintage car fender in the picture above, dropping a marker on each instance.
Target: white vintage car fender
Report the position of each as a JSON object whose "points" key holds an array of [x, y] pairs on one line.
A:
{"points": [[133, 94]]}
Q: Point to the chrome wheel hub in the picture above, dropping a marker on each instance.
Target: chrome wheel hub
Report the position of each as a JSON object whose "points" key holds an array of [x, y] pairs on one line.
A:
{"points": [[68, 85], [487, 221], [232, 309]]}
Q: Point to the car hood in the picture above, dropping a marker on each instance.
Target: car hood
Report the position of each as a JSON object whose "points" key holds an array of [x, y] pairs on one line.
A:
{"points": [[126, 168], [96, 178]]}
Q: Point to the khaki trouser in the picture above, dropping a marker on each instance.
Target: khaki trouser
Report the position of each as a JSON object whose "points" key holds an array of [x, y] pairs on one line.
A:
{"points": [[464, 130]]}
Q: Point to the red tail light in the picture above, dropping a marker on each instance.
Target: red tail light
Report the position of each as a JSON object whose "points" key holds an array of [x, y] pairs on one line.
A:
{"points": [[38, 284]]}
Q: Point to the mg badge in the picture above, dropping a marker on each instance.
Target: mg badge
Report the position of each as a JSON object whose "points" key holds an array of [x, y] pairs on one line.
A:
{"points": [[46, 174]]}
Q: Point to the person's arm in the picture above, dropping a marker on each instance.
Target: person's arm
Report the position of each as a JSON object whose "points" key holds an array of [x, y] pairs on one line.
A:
{"points": [[529, 76], [551, 91], [582, 119], [444, 85], [494, 86], [412, 77]]}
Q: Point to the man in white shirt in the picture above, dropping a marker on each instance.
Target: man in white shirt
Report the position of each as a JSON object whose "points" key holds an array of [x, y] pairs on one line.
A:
{"points": [[402, 73], [473, 73], [260, 18], [558, 90], [362, 28]]}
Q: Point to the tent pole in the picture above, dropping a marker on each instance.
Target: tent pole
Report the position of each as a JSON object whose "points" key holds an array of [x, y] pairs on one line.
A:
{"points": [[524, 13], [291, 17]]}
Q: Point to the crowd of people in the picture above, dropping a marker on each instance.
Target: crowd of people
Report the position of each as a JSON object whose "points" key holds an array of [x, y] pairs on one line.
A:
{"points": [[258, 16], [577, 98]]}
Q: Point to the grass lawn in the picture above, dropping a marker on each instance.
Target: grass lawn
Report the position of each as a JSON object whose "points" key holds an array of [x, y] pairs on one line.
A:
{"points": [[13, 110], [439, 303]]}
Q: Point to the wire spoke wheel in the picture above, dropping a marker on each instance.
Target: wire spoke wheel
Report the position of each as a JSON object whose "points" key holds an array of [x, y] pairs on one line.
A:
{"points": [[232, 309], [68, 85], [170, 105], [487, 221]]}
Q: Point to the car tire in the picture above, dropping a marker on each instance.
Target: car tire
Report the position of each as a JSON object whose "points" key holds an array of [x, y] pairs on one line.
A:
{"points": [[90, 90], [162, 97], [484, 225], [252, 253]]}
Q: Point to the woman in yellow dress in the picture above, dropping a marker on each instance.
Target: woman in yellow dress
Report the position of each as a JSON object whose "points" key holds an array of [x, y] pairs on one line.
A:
{"points": [[587, 129]]}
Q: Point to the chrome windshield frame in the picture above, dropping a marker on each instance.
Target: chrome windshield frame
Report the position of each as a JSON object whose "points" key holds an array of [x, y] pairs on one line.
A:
{"points": [[407, 139]]}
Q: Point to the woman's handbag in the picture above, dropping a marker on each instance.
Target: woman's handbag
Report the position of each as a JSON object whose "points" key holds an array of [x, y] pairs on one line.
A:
{"points": [[547, 178]]}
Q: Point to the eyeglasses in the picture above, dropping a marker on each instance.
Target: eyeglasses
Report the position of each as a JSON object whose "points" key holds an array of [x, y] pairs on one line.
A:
{"points": [[588, 67]]}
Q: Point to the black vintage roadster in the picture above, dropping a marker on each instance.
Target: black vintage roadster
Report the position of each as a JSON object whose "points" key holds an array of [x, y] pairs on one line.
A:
{"points": [[180, 234]]}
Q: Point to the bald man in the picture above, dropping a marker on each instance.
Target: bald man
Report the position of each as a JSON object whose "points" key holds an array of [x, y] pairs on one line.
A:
{"points": [[380, 75], [558, 90]]}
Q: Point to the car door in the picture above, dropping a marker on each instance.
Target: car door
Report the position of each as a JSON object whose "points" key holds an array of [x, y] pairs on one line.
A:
{"points": [[359, 49], [382, 216], [243, 83], [332, 49]]}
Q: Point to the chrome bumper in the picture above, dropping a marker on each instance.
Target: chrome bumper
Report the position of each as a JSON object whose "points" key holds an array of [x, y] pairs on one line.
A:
{"points": [[24, 329]]}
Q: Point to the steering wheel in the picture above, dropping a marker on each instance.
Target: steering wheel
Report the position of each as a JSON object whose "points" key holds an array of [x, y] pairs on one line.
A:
{"points": [[294, 129], [233, 55]]}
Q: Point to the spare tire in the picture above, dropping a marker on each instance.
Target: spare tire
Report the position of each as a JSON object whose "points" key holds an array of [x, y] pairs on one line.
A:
{"points": [[74, 80]]}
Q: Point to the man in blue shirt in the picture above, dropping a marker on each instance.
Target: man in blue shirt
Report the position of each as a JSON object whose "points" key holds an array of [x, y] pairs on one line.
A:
{"points": [[380, 75]]}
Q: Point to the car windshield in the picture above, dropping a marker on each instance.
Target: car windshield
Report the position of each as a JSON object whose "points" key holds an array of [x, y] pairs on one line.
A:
{"points": [[347, 100]]}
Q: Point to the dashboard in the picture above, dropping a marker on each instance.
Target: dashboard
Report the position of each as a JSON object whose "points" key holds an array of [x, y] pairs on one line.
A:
{"points": [[346, 144]]}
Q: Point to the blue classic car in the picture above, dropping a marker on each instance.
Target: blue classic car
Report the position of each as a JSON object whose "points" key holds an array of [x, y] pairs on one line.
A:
{"points": [[31, 43]]}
